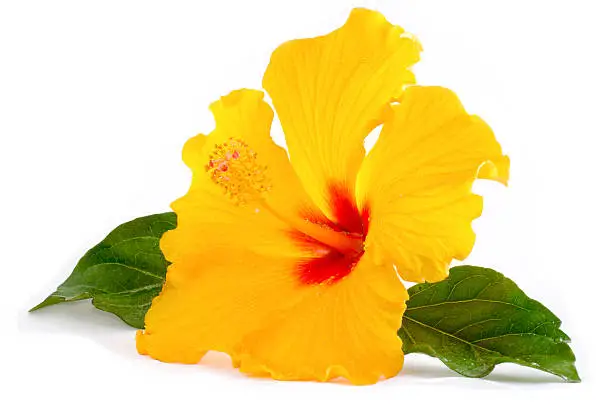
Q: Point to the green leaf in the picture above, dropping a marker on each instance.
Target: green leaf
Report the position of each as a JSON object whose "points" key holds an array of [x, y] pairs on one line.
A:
{"points": [[123, 273], [477, 318]]}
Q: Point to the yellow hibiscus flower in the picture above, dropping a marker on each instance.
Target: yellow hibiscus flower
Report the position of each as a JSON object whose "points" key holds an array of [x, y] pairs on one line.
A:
{"points": [[291, 265]]}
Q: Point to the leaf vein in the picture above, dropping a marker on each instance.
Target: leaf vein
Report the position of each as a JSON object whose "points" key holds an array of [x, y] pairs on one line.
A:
{"points": [[127, 267], [466, 301]]}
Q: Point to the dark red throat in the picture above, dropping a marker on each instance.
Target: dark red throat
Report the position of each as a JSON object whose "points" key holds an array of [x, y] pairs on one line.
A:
{"points": [[329, 264]]}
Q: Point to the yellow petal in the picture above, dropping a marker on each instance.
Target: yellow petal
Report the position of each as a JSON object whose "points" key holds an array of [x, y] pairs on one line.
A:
{"points": [[348, 329], [331, 91], [416, 182], [212, 299], [241, 116], [255, 309], [215, 229]]}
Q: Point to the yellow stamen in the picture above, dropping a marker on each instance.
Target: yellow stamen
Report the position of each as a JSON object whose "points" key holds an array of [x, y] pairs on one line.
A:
{"points": [[233, 165]]}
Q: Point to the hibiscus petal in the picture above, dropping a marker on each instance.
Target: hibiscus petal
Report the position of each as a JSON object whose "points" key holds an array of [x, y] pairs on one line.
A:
{"points": [[213, 230], [331, 91], [255, 309], [211, 300], [416, 182], [241, 115], [347, 329]]}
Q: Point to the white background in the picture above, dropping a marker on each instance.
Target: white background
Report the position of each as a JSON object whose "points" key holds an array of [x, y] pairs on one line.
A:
{"points": [[97, 99]]}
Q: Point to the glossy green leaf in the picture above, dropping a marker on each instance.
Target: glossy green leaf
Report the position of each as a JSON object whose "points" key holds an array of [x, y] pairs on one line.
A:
{"points": [[477, 318], [123, 273]]}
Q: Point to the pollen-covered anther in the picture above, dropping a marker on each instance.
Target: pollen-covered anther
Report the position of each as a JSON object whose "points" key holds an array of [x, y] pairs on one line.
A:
{"points": [[233, 165]]}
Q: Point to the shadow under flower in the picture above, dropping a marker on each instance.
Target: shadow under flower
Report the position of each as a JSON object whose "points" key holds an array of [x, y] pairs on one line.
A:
{"points": [[105, 329], [422, 367], [83, 320]]}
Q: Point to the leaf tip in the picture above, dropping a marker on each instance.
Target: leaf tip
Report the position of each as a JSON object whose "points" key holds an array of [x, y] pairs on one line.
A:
{"points": [[572, 376], [50, 300]]}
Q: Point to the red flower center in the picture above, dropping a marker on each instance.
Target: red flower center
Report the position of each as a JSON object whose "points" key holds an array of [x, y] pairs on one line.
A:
{"points": [[331, 264]]}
